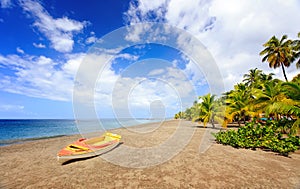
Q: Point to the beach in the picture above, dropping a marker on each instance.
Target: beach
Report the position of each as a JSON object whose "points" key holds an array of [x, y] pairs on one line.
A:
{"points": [[34, 165]]}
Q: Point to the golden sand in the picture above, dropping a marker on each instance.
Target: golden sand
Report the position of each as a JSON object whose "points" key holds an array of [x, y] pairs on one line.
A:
{"points": [[34, 165]]}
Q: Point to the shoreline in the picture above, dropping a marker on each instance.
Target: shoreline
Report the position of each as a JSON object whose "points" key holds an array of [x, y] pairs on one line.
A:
{"points": [[10, 142], [33, 165], [23, 140]]}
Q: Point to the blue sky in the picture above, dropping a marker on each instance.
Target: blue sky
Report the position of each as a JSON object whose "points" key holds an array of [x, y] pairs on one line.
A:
{"points": [[20, 37], [43, 44]]}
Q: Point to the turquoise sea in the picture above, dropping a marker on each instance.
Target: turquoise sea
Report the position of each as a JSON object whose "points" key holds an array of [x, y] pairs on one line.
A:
{"points": [[21, 130]]}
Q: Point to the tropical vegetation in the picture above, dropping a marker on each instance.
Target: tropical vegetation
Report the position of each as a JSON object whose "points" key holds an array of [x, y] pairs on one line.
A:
{"points": [[266, 109], [265, 136]]}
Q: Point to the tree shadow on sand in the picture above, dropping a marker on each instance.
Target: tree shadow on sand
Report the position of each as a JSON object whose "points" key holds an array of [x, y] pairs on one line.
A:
{"points": [[219, 127], [207, 127]]}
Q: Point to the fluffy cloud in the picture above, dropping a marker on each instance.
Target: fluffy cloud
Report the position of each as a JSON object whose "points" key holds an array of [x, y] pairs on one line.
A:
{"points": [[11, 108], [127, 56], [146, 11], [242, 27], [39, 45], [59, 31], [133, 95], [90, 40], [19, 50], [40, 76], [130, 92], [142, 93], [156, 72], [233, 30]]}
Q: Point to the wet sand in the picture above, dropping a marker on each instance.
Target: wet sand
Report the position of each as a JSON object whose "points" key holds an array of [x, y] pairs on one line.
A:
{"points": [[34, 165]]}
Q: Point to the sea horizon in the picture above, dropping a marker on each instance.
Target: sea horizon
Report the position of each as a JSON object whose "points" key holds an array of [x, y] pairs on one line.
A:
{"points": [[15, 131]]}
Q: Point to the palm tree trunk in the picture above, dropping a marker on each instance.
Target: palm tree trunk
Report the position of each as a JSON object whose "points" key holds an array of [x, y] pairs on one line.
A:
{"points": [[212, 123], [284, 72]]}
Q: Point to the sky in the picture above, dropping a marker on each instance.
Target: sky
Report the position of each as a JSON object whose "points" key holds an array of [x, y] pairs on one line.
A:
{"points": [[67, 59]]}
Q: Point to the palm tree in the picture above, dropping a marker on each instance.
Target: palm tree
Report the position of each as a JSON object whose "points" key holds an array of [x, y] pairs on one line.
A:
{"points": [[296, 48], [278, 53], [266, 77], [296, 79], [291, 106], [179, 115], [267, 98], [238, 102], [188, 113], [253, 77], [210, 110]]}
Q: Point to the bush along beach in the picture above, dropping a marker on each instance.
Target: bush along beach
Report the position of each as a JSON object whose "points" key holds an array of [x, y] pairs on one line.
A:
{"points": [[266, 109], [255, 135]]}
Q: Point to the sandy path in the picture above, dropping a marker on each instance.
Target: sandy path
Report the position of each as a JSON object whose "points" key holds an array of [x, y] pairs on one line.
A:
{"points": [[34, 165]]}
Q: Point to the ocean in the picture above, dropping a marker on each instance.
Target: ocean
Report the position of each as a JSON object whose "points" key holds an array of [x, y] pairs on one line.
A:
{"points": [[17, 131]]}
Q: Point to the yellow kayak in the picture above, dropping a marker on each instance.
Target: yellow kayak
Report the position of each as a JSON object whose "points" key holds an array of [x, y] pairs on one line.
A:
{"points": [[84, 148]]}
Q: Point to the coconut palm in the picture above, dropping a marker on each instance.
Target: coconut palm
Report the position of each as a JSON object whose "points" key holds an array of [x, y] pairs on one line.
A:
{"points": [[278, 53], [266, 77], [267, 98], [179, 115], [291, 106], [252, 77], [293, 91], [211, 110], [296, 79], [296, 48], [188, 113], [238, 103]]}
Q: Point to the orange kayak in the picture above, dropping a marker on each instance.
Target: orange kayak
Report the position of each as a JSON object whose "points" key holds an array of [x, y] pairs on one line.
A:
{"points": [[84, 148]]}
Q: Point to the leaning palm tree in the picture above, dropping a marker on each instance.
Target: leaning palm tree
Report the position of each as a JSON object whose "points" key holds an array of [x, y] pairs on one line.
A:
{"points": [[278, 53], [291, 106], [210, 110]]}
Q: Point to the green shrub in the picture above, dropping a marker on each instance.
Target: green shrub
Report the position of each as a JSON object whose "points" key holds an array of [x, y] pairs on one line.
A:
{"points": [[255, 135]]}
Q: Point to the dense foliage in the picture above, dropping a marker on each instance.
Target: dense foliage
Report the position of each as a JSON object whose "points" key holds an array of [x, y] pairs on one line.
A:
{"points": [[255, 135], [259, 96]]}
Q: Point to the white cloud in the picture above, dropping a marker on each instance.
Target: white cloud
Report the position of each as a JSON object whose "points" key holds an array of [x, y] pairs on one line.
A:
{"points": [[90, 40], [156, 72], [59, 31], [11, 108], [193, 70], [43, 77], [242, 28], [140, 12], [40, 76], [126, 94], [127, 56], [232, 30], [6, 3], [188, 14], [136, 32], [19, 50], [39, 45]]}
